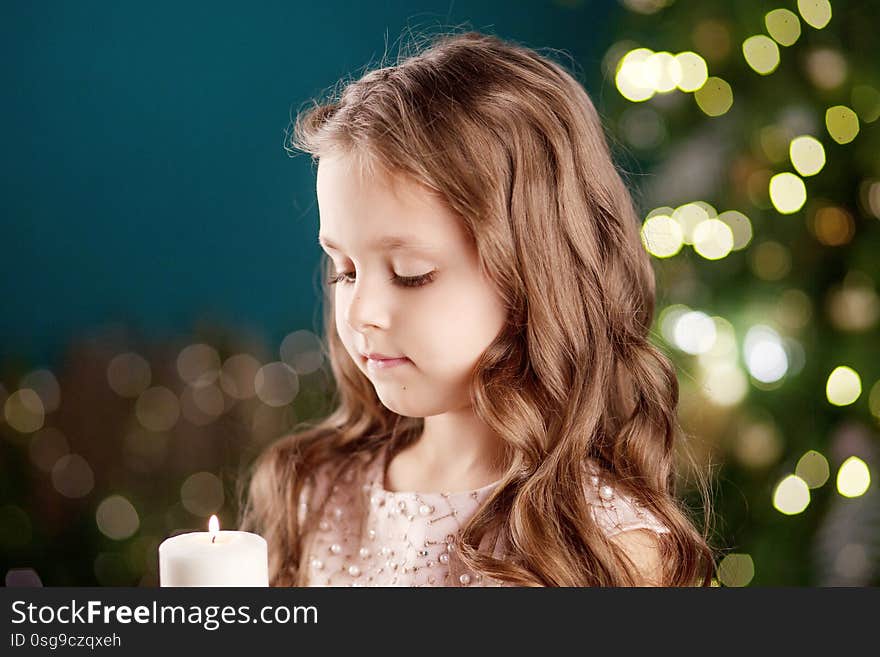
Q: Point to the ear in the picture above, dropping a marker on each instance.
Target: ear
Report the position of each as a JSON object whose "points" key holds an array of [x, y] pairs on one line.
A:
{"points": [[642, 547]]}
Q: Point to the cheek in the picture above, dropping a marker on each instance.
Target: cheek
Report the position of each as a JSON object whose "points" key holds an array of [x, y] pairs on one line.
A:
{"points": [[457, 324]]}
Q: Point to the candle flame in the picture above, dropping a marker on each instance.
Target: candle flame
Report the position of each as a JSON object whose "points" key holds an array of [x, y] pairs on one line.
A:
{"points": [[213, 525]]}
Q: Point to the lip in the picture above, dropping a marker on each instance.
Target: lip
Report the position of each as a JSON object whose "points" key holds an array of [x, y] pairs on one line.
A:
{"points": [[378, 362]]}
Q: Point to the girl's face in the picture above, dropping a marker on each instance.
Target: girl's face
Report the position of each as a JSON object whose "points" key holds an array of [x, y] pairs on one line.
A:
{"points": [[409, 285]]}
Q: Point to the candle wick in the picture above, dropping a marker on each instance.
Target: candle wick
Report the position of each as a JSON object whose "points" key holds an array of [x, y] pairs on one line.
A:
{"points": [[213, 538]]}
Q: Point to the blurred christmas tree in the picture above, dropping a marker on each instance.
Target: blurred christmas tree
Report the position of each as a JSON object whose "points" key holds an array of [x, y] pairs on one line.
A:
{"points": [[755, 125]]}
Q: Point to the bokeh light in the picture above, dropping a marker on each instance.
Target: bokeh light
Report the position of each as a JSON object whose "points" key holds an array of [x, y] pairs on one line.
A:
{"points": [[832, 225], [791, 495], [844, 386], [736, 570], [784, 26], [276, 384], [813, 468], [202, 494], [157, 409], [807, 155], [765, 354], [715, 97], [842, 123], [662, 236], [24, 411], [198, 365], [816, 13], [853, 477], [695, 332], [72, 476], [117, 518], [302, 350], [761, 53], [740, 227], [129, 374], [694, 71], [787, 192], [44, 383], [713, 239], [238, 374]]}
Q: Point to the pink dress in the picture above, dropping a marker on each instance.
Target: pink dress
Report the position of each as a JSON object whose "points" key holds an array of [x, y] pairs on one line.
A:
{"points": [[370, 536]]}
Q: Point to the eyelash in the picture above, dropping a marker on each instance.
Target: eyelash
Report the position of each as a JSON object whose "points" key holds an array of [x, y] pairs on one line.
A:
{"points": [[403, 281]]}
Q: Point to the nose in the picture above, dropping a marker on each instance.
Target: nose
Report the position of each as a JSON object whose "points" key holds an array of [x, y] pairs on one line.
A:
{"points": [[368, 305]]}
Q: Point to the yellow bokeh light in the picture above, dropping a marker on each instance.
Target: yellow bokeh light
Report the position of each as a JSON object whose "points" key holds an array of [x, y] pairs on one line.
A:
{"points": [[740, 226], [815, 13], [713, 239], [812, 467], [807, 155], [662, 236], [853, 477], [761, 53], [791, 496], [787, 192], [689, 216], [736, 570], [783, 25], [694, 71], [633, 77], [874, 400], [715, 97], [866, 102], [844, 386], [842, 123], [664, 71]]}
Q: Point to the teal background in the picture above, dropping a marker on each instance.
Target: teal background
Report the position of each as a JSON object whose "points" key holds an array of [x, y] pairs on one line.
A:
{"points": [[143, 169]]}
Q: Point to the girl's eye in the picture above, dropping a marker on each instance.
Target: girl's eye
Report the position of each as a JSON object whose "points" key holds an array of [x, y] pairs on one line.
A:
{"points": [[403, 281]]}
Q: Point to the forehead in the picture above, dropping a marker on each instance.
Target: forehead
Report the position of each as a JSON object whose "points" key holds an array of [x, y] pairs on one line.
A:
{"points": [[359, 212]]}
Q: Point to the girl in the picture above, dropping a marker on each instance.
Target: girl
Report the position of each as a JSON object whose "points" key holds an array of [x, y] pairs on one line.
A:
{"points": [[502, 417]]}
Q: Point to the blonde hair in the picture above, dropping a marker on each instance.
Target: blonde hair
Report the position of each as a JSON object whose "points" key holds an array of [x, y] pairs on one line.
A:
{"points": [[513, 144]]}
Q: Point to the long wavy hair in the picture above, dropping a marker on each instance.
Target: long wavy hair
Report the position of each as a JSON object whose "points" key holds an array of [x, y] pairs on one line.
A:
{"points": [[512, 143]]}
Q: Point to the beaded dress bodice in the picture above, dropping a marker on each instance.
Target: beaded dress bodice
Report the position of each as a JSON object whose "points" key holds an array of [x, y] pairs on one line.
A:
{"points": [[370, 536]]}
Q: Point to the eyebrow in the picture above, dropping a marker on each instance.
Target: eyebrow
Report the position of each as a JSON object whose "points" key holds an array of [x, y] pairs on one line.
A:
{"points": [[386, 242]]}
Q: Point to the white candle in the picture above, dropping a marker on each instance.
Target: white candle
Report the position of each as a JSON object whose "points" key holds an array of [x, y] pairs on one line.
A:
{"points": [[214, 558]]}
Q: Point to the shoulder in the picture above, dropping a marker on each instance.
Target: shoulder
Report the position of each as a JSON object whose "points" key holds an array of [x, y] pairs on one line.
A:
{"points": [[627, 524], [614, 511]]}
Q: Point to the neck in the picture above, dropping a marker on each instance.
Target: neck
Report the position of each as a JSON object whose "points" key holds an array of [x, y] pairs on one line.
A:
{"points": [[455, 451]]}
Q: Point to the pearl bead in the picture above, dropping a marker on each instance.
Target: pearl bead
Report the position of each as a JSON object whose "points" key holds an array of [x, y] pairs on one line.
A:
{"points": [[444, 558], [425, 510], [317, 564], [336, 548], [465, 579], [606, 492], [371, 533], [354, 571], [337, 512], [594, 479], [374, 500], [450, 547], [385, 551], [364, 552], [323, 525]]}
